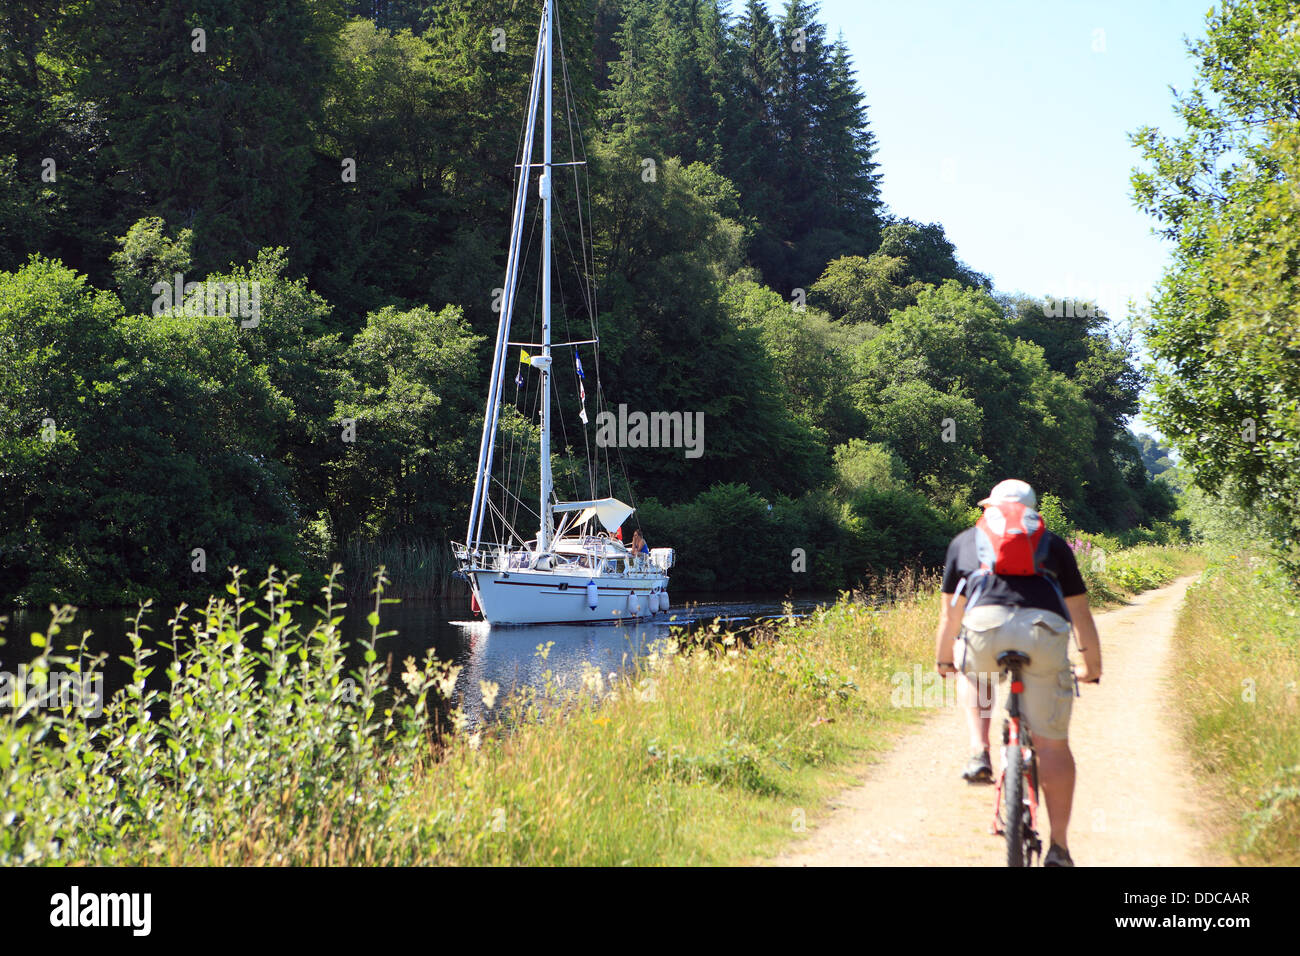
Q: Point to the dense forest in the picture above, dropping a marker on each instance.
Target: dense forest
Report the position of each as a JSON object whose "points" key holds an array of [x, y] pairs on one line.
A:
{"points": [[862, 386]]}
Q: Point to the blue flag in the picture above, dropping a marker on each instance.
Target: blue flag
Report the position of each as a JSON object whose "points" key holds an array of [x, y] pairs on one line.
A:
{"points": [[519, 378], [582, 392]]}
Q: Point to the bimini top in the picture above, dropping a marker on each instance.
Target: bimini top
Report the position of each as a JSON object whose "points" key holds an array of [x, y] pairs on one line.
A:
{"points": [[611, 512]]}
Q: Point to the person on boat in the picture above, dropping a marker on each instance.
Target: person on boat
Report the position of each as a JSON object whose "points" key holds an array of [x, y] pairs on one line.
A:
{"points": [[638, 543]]}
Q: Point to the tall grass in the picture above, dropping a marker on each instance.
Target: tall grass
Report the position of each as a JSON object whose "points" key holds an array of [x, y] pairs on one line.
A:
{"points": [[1238, 656], [415, 567]]}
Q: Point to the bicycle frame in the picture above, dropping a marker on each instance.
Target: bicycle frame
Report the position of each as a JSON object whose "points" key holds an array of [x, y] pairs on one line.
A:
{"points": [[1015, 733]]}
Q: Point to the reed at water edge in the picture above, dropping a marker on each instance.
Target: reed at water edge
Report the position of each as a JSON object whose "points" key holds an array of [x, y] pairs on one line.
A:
{"points": [[416, 567]]}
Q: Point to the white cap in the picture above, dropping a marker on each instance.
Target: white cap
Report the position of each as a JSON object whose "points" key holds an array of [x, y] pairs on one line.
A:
{"points": [[1013, 489]]}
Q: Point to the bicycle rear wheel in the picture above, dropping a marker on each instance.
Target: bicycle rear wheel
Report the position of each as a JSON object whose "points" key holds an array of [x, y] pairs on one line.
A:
{"points": [[1033, 845], [1013, 807]]}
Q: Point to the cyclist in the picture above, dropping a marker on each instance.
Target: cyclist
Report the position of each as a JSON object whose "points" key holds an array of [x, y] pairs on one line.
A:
{"points": [[1030, 613]]}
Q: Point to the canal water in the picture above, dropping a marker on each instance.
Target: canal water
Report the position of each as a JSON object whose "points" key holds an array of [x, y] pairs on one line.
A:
{"points": [[506, 656]]}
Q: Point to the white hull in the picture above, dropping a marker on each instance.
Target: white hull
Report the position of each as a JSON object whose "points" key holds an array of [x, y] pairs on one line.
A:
{"points": [[547, 597]]}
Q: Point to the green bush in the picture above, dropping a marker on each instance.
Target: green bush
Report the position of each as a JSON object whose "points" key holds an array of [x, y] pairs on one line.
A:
{"points": [[731, 539], [241, 743], [860, 465], [1054, 516], [901, 528]]}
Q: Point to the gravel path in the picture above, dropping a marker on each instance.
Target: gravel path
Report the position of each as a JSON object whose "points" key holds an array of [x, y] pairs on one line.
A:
{"points": [[1135, 802]]}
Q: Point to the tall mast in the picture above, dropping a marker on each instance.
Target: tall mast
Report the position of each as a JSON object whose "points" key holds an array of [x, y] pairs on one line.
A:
{"points": [[543, 535], [491, 415]]}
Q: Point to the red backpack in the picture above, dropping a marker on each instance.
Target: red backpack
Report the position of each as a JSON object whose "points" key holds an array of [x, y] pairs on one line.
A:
{"points": [[1010, 540]]}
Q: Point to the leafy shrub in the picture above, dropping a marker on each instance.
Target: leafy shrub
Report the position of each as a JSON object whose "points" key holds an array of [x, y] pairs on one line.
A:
{"points": [[860, 465], [734, 763], [900, 528], [241, 745], [1054, 516]]}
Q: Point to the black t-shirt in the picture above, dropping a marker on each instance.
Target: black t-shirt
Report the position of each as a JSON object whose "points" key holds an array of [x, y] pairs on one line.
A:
{"points": [[1029, 590]]}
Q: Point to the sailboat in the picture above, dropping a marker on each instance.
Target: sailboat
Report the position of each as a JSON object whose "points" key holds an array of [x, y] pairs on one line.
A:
{"points": [[575, 568]]}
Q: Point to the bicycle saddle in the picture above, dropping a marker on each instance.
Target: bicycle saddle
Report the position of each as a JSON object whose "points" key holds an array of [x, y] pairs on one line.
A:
{"points": [[1007, 658]]}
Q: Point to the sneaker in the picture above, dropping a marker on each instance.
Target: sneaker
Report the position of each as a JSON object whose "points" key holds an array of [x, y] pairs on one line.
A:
{"points": [[979, 769], [1058, 856]]}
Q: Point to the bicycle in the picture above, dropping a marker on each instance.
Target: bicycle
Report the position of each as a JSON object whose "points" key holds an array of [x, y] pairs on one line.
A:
{"points": [[1015, 801]]}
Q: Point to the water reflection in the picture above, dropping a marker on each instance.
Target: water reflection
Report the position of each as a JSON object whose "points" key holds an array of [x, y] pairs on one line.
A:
{"points": [[512, 657]]}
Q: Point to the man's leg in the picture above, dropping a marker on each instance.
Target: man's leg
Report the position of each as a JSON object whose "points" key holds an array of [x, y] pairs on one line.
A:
{"points": [[979, 713], [1056, 774], [975, 686], [1048, 703]]}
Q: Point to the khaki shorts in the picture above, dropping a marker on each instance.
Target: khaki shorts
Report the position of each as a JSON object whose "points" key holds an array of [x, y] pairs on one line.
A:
{"points": [[1048, 697]]}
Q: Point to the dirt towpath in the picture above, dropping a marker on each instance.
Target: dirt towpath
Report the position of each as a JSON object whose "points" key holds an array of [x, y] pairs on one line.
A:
{"points": [[1135, 804]]}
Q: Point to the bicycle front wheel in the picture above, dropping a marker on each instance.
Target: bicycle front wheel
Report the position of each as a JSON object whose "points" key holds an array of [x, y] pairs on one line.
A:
{"points": [[1013, 807]]}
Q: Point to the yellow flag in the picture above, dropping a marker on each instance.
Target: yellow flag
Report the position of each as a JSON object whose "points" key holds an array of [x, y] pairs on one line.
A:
{"points": [[523, 357]]}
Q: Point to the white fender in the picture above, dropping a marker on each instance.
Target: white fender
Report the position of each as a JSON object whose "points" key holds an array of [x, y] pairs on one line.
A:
{"points": [[663, 600], [592, 595], [633, 605]]}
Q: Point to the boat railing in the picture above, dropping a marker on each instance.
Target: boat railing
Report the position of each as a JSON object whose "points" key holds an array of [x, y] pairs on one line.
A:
{"points": [[604, 555], [493, 557]]}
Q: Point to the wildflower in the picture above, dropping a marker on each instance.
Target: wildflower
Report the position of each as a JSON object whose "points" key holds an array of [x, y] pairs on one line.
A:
{"points": [[592, 680], [411, 677], [446, 681], [459, 720]]}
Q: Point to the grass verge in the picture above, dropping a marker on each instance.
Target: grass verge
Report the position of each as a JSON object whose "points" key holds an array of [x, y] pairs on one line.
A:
{"points": [[707, 752], [1112, 573], [1238, 644]]}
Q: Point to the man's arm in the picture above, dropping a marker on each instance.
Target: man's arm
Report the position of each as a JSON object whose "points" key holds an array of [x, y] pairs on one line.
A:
{"points": [[1085, 632], [949, 624]]}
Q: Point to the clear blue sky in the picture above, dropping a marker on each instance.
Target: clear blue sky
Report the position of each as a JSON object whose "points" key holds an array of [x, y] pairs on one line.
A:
{"points": [[1008, 122]]}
